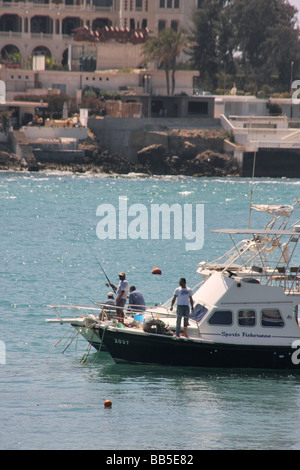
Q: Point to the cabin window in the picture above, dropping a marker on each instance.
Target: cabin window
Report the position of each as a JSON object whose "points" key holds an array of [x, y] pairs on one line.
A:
{"points": [[221, 317], [271, 317], [246, 317], [199, 312]]}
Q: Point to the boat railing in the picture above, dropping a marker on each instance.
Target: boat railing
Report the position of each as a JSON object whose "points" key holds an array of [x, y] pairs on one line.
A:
{"points": [[265, 256], [99, 308], [78, 311], [102, 310]]}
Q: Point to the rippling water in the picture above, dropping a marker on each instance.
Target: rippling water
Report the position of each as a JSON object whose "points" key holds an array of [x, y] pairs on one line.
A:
{"points": [[50, 400]]}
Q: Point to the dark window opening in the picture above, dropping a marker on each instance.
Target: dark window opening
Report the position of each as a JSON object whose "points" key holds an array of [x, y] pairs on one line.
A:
{"points": [[198, 107]]}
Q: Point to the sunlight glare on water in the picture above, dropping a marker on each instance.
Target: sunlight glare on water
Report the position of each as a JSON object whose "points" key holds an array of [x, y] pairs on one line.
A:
{"points": [[51, 400]]}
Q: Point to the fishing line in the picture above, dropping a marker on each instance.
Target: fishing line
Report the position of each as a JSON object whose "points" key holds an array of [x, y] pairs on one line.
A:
{"points": [[96, 258], [101, 267]]}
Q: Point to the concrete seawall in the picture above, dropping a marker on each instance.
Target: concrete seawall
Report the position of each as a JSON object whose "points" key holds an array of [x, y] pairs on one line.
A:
{"points": [[272, 163], [127, 136]]}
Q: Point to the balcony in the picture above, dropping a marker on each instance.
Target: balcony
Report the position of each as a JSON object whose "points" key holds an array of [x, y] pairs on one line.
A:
{"points": [[54, 4], [10, 34]]}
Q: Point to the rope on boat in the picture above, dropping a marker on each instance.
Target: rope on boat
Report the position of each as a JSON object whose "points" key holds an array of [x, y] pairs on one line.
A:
{"points": [[71, 337], [100, 347], [86, 354], [104, 330], [74, 336], [61, 338]]}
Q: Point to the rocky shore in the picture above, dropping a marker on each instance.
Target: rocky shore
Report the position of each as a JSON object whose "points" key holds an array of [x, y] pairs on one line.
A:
{"points": [[189, 153], [10, 161]]}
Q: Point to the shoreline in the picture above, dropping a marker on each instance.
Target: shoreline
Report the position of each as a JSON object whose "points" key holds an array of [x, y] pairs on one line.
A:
{"points": [[131, 174], [189, 153], [108, 175], [208, 165]]}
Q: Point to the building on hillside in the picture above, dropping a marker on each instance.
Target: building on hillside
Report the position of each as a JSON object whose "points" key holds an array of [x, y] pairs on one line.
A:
{"points": [[139, 81], [45, 27], [22, 112], [287, 107], [236, 105]]}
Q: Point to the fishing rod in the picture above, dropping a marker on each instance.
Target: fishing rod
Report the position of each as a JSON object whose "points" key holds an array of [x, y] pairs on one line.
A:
{"points": [[111, 285]]}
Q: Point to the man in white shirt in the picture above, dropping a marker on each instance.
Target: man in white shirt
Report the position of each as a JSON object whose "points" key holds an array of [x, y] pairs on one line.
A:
{"points": [[183, 294], [121, 295]]}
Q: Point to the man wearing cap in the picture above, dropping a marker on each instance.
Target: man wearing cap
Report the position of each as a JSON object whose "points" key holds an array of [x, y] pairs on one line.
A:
{"points": [[121, 295], [109, 307], [110, 299], [110, 311]]}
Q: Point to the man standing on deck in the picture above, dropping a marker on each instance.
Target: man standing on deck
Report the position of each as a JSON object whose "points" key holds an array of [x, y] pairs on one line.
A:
{"points": [[183, 294], [121, 295]]}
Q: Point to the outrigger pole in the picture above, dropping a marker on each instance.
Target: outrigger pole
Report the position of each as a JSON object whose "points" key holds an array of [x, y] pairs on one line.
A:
{"points": [[252, 182]]}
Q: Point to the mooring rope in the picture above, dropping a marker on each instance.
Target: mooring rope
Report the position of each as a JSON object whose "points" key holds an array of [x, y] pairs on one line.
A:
{"points": [[74, 336]]}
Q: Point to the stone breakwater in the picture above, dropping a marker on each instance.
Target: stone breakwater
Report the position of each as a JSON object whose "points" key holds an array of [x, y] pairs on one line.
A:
{"points": [[189, 152], [11, 161]]}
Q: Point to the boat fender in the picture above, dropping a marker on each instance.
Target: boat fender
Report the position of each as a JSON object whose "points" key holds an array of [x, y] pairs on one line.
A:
{"points": [[156, 270]]}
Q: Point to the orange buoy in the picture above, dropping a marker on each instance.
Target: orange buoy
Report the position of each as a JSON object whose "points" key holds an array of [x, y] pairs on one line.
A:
{"points": [[156, 270], [107, 404]]}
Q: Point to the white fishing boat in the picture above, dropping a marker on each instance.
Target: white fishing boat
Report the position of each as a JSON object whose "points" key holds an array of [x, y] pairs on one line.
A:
{"points": [[245, 309], [88, 321]]}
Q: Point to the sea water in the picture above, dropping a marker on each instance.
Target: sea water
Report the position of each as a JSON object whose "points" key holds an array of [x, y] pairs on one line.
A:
{"points": [[51, 254]]}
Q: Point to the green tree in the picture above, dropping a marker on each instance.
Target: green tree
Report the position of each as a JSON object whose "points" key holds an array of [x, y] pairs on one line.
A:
{"points": [[5, 121], [284, 44], [165, 50], [212, 49], [267, 38], [259, 39]]}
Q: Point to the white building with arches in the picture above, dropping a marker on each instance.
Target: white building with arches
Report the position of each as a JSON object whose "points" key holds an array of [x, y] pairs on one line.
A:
{"points": [[34, 27]]}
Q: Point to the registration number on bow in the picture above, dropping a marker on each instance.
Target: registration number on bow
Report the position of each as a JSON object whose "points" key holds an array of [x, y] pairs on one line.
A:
{"points": [[121, 341]]}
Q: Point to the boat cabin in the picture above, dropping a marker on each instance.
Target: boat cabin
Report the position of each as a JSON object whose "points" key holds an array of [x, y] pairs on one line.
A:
{"points": [[242, 310]]}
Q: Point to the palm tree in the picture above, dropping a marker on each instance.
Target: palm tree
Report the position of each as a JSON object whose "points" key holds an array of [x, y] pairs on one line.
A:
{"points": [[165, 50]]}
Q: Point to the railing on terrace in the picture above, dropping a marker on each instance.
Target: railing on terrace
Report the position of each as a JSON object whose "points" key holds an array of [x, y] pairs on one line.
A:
{"points": [[260, 137], [274, 144], [280, 122], [11, 34], [54, 5], [42, 36]]}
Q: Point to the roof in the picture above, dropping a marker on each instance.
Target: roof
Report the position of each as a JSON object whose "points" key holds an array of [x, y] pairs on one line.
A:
{"points": [[25, 104]]}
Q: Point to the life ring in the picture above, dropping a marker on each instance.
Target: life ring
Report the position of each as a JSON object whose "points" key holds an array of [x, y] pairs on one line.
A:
{"points": [[270, 250]]}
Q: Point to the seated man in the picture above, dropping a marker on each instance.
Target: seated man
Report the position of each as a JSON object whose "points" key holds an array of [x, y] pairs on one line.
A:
{"points": [[136, 300], [110, 311], [108, 307]]}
